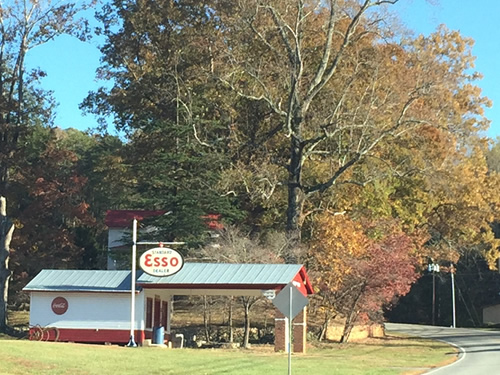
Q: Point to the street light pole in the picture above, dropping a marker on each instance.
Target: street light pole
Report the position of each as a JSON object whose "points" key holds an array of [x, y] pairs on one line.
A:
{"points": [[132, 343], [452, 272], [433, 298]]}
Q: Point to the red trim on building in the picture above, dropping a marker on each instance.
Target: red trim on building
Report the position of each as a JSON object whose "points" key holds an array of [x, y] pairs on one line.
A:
{"points": [[212, 221], [213, 286], [307, 282], [303, 279], [124, 218], [85, 335]]}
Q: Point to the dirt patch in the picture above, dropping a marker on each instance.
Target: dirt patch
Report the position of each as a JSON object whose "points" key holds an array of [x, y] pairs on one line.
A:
{"points": [[28, 364]]}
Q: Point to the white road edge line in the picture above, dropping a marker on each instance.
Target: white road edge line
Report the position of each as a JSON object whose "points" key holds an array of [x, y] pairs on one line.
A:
{"points": [[462, 355]]}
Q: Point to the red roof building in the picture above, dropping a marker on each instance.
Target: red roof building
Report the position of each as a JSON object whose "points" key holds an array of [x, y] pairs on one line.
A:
{"points": [[124, 218], [119, 223]]}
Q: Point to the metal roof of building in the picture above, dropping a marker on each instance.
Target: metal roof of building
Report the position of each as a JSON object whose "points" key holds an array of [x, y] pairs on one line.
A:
{"points": [[191, 275], [80, 281], [227, 274]]}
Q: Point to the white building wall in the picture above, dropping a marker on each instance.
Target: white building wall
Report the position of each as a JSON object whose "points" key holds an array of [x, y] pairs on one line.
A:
{"points": [[115, 239], [87, 310], [116, 236]]}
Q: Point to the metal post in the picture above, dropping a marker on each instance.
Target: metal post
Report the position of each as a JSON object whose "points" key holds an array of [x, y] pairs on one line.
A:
{"points": [[132, 343], [433, 267], [433, 298], [452, 271]]}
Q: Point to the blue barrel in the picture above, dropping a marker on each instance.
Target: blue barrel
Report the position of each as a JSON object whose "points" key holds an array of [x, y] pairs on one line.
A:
{"points": [[158, 335]]}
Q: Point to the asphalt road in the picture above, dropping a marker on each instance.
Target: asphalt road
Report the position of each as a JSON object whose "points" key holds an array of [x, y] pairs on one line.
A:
{"points": [[479, 349]]}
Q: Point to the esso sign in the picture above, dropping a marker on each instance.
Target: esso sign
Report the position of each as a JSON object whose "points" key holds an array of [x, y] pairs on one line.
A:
{"points": [[161, 261]]}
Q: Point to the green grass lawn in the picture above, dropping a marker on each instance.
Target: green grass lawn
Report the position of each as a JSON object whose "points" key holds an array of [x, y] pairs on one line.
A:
{"points": [[393, 355]]}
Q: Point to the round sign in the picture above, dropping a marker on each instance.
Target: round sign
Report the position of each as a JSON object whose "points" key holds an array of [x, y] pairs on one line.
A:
{"points": [[161, 261], [59, 305]]}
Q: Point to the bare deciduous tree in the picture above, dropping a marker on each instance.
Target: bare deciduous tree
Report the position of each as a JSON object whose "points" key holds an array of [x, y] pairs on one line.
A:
{"points": [[234, 246], [23, 26], [305, 45]]}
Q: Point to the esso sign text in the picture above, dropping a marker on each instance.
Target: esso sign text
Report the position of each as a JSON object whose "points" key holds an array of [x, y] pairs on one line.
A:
{"points": [[161, 261]]}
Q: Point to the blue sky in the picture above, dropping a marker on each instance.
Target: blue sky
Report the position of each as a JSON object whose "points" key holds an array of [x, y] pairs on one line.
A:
{"points": [[71, 64], [477, 19]]}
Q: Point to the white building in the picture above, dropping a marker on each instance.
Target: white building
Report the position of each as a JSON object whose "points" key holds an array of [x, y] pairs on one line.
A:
{"points": [[95, 306]]}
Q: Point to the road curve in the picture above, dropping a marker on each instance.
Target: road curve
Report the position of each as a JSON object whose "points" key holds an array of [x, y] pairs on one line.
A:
{"points": [[479, 349]]}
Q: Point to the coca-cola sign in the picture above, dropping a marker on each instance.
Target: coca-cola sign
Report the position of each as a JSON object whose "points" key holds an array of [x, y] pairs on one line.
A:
{"points": [[59, 305]]}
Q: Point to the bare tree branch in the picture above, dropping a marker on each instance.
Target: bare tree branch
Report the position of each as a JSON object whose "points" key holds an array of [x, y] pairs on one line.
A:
{"points": [[324, 77]]}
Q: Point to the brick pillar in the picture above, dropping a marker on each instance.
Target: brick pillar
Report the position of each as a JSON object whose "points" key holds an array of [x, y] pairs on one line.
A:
{"points": [[299, 332], [280, 332]]}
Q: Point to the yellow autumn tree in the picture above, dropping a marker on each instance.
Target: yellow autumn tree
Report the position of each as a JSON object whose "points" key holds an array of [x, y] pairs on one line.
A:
{"points": [[339, 240], [360, 267]]}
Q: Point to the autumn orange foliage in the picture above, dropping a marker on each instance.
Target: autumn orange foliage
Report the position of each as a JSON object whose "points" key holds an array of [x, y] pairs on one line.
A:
{"points": [[359, 267]]}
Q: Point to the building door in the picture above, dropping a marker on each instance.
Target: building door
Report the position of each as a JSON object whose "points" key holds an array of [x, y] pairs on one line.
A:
{"points": [[149, 313], [157, 312], [164, 314]]}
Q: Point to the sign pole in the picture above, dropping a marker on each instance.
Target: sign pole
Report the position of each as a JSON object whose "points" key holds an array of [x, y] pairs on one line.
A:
{"points": [[290, 305], [132, 343], [454, 322], [290, 336]]}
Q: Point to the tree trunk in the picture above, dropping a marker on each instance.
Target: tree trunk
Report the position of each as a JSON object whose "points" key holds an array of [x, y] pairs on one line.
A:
{"points": [[351, 318], [6, 230], [348, 326], [295, 193], [247, 302], [324, 327], [294, 184], [206, 318], [246, 336], [230, 320]]}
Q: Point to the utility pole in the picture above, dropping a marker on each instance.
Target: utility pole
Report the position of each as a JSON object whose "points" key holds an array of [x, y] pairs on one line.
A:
{"points": [[433, 267], [453, 314], [133, 274]]}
